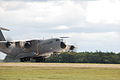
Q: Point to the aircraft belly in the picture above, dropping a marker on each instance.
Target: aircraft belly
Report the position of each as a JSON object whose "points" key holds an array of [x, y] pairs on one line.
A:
{"points": [[21, 55]]}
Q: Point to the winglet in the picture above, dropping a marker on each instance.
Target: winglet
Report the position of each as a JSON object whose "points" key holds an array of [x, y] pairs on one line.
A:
{"points": [[1, 28]]}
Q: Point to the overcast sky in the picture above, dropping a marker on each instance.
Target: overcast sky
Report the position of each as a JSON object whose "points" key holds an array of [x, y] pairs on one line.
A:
{"points": [[91, 24]]}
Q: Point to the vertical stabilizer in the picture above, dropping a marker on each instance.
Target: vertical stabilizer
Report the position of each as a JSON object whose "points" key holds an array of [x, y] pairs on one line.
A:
{"points": [[2, 38]]}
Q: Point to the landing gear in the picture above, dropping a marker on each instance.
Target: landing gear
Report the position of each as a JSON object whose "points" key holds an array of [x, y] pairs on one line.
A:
{"points": [[25, 59], [34, 59], [39, 59]]}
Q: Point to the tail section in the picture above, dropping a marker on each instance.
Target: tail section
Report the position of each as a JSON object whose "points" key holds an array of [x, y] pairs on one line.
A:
{"points": [[2, 38]]}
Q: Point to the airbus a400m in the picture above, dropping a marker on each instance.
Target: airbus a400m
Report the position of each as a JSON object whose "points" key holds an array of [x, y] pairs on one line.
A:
{"points": [[31, 50]]}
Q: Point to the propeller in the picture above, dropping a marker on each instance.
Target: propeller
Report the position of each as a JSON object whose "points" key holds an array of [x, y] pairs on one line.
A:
{"points": [[27, 44], [75, 47], [64, 37], [8, 42], [72, 47]]}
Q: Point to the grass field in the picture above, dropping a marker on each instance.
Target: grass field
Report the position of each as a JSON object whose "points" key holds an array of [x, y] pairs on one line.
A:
{"points": [[58, 73]]}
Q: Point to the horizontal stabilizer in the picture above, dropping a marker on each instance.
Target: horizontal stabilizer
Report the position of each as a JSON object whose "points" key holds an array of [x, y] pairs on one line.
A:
{"points": [[1, 28]]}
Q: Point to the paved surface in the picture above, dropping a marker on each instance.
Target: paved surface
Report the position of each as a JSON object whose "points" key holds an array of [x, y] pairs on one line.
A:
{"points": [[63, 65]]}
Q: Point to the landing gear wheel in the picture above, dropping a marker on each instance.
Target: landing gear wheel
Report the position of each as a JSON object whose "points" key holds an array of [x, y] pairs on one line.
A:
{"points": [[25, 59], [39, 59]]}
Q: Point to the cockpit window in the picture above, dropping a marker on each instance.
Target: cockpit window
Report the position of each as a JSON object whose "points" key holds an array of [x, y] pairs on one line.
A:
{"points": [[57, 39]]}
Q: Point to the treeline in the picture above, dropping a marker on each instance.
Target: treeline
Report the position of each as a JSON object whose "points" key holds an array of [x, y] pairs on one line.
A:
{"points": [[85, 57]]}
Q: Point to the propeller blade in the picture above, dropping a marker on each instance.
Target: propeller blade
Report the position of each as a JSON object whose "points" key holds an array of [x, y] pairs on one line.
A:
{"points": [[64, 37]]}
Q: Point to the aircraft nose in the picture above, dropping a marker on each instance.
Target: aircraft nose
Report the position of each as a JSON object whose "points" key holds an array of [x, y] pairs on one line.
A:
{"points": [[62, 45]]}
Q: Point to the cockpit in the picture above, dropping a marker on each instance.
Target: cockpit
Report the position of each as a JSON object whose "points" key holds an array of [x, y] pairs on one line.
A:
{"points": [[57, 39]]}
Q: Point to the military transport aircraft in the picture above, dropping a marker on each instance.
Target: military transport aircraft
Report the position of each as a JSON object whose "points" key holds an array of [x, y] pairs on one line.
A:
{"points": [[31, 50]]}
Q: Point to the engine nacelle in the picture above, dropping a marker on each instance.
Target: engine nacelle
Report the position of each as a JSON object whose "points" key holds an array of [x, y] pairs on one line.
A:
{"points": [[27, 44], [72, 47], [8, 44]]}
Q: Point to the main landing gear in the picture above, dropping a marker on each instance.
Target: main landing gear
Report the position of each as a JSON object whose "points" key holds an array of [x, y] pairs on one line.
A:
{"points": [[32, 59]]}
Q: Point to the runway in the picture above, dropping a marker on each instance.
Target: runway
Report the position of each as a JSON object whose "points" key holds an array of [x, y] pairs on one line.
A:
{"points": [[78, 65]]}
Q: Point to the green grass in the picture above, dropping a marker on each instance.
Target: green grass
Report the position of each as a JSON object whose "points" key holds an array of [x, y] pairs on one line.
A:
{"points": [[58, 73]]}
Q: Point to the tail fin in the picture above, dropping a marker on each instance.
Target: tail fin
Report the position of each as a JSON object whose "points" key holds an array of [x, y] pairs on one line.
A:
{"points": [[2, 38]]}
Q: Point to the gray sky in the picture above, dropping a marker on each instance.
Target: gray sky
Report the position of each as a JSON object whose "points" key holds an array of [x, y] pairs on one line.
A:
{"points": [[91, 24]]}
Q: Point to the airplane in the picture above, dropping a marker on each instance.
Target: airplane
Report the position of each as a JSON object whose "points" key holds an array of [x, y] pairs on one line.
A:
{"points": [[31, 50]]}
